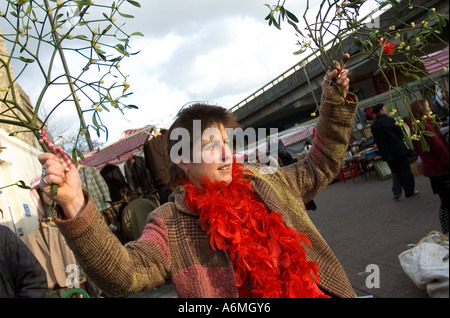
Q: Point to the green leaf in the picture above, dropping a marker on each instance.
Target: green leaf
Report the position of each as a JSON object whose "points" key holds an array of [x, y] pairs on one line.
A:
{"points": [[94, 120], [79, 153], [407, 132], [109, 99], [136, 33], [423, 143], [442, 21], [23, 59], [74, 155], [295, 27], [106, 29], [299, 51], [132, 106], [21, 2], [121, 49], [29, 9], [82, 3], [105, 107], [116, 59], [409, 143], [427, 133], [432, 15], [275, 23], [128, 16], [291, 16], [22, 185], [99, 52], [135, 3]]}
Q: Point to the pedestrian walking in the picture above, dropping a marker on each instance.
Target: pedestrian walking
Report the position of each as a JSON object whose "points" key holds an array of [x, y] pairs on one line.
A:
{"points": [[392, 148], [435, 159]]}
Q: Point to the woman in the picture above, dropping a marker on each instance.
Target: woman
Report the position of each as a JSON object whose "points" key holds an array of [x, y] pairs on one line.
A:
{"points": [[232, 230], [435, 162]]}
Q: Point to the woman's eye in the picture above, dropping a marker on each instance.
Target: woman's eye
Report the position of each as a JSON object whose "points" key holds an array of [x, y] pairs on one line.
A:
{"points": [[209, 147]]}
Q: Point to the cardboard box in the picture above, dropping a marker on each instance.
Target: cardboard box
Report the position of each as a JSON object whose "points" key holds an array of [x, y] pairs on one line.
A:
{"points": [[416, 168]]}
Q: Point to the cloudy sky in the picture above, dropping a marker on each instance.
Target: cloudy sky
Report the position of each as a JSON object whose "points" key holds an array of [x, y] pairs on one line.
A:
{"points": [[200, 50], [195, 50]]}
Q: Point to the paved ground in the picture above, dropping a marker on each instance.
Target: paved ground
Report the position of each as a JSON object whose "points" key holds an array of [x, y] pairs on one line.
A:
{"points": [[364, 225]]}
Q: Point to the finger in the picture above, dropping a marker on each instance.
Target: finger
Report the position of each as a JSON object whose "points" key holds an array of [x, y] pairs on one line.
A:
{"points": [[331, 74], [342, 76], [53, 179], [43, 157], [344, 61], [45, 180], [345, 84], [56, 170], [53, 162]]}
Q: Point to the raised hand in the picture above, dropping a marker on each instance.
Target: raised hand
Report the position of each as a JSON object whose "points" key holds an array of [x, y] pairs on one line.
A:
{"points": [[335, 85], [70, 194]]}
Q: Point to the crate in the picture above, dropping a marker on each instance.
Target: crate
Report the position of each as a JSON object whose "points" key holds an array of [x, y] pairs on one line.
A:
{"points": [[348, 172]]}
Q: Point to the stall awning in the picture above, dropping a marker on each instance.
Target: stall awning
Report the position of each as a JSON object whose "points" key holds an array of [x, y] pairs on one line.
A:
{"points": [[436, 62], [289, 138], [131, 143], [298, 135]]}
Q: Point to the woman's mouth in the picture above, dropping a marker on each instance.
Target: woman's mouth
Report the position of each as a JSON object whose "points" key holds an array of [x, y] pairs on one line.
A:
{"points": [[225, 167]]}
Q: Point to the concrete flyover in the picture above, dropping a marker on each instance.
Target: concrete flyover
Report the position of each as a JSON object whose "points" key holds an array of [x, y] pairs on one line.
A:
{"points": [[290, 98]]}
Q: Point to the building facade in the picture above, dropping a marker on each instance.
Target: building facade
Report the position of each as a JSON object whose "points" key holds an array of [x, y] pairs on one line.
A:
{"points": [[18, 158]]}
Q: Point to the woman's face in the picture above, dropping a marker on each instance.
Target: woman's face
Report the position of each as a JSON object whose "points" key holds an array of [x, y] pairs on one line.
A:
{"points": [[216, 158]]}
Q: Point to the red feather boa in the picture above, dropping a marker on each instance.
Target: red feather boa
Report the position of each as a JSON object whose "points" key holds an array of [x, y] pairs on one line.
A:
{"points": [[261, 247]]}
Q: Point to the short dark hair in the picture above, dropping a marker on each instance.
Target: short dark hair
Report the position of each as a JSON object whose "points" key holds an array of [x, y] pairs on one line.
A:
{"points": [[127, 192], [209, 115], [376, 109]]}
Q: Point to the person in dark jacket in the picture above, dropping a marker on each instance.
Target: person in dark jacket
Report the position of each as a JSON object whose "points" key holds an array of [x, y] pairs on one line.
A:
{"points": [[21, 275], [389, 139]]}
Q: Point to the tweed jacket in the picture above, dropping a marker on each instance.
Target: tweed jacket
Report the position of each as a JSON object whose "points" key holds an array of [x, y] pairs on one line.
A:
{"points": [[174, 246]]}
